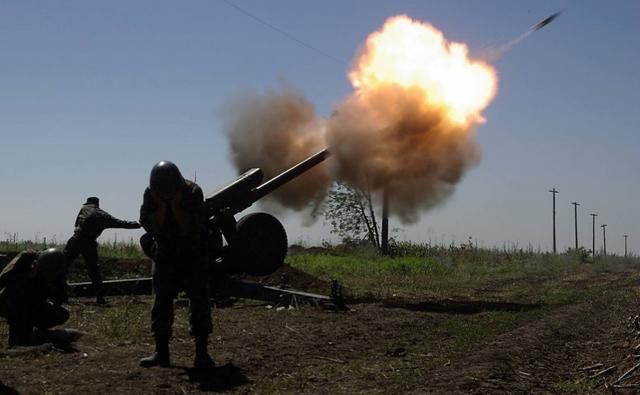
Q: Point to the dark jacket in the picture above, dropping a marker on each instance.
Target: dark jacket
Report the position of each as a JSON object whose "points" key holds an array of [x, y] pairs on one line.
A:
{"points": [[189, 231], [20, 289], [19, 267], [91, 221]]}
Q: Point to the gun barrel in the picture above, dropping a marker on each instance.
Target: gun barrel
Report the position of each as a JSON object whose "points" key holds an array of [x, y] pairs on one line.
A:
{"points": [[289, 174], [230, 195], [247, 189]]}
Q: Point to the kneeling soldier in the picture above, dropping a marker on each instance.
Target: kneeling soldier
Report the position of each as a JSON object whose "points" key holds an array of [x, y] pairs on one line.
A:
{"points": [[32, 290]]}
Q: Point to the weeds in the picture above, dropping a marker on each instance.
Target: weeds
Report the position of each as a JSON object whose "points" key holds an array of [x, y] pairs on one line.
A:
{"points": [[574, 387], [470, 333], [111, 249]]}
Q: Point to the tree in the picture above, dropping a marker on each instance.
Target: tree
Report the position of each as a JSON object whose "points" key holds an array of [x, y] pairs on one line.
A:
{"points": [[351, 215]]}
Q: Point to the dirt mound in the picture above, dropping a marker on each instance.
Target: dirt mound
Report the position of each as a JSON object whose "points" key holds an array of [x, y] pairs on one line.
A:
{"points": [[285, 276], [111, 269], [289, 277]]}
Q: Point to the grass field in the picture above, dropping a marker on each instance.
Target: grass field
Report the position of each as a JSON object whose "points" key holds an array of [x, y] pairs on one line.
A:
{"points": [[128, 249], [442, 272], [430, 319]]}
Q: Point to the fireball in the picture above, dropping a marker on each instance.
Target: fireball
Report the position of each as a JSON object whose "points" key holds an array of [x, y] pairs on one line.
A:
{"points": [[410, 53], [405, 130]]}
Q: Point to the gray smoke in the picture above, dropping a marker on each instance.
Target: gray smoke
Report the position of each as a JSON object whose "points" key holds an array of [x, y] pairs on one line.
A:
{"points": [[385, 138], [274, 131]]}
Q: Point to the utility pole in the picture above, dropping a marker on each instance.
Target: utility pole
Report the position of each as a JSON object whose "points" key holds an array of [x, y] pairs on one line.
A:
{"points": [[554, 219], [593, 235], [384, 243], [604, 239], [625, 245], [575, 214]]}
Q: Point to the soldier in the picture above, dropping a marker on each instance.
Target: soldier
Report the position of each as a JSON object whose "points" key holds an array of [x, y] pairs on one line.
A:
{"points": [[174, 216], [32, 290], [90, 223]]}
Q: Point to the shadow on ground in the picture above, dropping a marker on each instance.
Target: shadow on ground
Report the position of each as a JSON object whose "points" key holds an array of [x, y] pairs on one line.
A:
{"points": [[7, 390], [218, 379], [462, 306]]}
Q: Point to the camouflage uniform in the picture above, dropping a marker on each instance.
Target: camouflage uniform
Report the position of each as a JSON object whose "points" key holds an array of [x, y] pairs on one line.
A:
{"points": [[178, 250], [90, 223], [27, 300]]}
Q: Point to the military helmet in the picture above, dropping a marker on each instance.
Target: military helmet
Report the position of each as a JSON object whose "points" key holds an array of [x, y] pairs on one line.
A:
{"points": [[50, 263], [165, 177], [93, 200]]}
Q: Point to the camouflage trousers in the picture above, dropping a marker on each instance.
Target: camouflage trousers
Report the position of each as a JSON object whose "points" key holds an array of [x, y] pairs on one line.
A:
{"points": [[24, 317], [175, 271], [89, 251]]}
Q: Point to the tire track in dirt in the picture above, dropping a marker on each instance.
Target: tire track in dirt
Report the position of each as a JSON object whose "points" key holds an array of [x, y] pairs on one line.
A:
{"points": [[538, 356]]}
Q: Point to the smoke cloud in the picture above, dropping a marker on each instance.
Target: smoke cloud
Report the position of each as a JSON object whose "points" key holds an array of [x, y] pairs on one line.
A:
{"points": [[406, 129], [274, 131], [386, 139]]}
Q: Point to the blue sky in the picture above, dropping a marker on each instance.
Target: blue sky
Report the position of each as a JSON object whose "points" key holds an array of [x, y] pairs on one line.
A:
{"points": [[92, 94]]}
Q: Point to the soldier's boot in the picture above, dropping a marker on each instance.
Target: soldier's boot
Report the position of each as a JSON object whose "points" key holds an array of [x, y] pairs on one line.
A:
{"points": [[160, 357], [19, 339], [100, 300], [96, 281], [203, 359], [20, 335]]}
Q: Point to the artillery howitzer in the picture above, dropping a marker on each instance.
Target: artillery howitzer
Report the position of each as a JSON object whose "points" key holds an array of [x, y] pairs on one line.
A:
{"points": [[257, 242], [255, 245]]}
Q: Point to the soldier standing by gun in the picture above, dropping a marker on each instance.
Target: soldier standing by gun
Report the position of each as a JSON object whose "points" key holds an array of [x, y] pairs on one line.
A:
{"points": [[32, 291], [173, 214], [90, 223]]}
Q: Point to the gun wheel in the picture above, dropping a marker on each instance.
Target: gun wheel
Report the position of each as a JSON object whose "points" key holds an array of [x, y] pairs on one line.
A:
{"points": [[259, 244]]}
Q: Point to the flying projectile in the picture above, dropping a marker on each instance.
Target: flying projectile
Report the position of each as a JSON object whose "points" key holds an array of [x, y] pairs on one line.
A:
{"points": [[545, 21], [496, 53]]}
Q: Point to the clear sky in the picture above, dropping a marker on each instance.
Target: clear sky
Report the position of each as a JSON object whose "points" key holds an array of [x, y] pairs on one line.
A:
{"points": [[92, 94]]}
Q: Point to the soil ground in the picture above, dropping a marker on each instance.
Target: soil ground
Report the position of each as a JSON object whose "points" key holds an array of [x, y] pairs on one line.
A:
{"points": [[476, 342]]}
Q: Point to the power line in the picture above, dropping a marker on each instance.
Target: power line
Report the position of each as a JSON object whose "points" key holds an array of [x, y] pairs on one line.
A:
{"points": [[283, 32]]}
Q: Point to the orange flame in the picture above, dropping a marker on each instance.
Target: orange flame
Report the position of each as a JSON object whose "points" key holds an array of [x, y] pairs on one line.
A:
{"points": [[412, 54]]}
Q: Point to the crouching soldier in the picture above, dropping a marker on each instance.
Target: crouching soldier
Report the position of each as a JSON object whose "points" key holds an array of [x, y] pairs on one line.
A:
{"points": [[173, 214], [90, 223], [32, 291]]}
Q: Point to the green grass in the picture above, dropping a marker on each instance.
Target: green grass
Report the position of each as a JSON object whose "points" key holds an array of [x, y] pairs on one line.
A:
{"points": [[116, 324], [577, 387], [461, 273], [122, 249], [127, 322], [469, 333], [111, 249], [544, 280], [438, 273]]}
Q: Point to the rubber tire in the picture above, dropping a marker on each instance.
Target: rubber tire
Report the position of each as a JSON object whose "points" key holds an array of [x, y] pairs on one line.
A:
{"points": [[259, 245]]}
